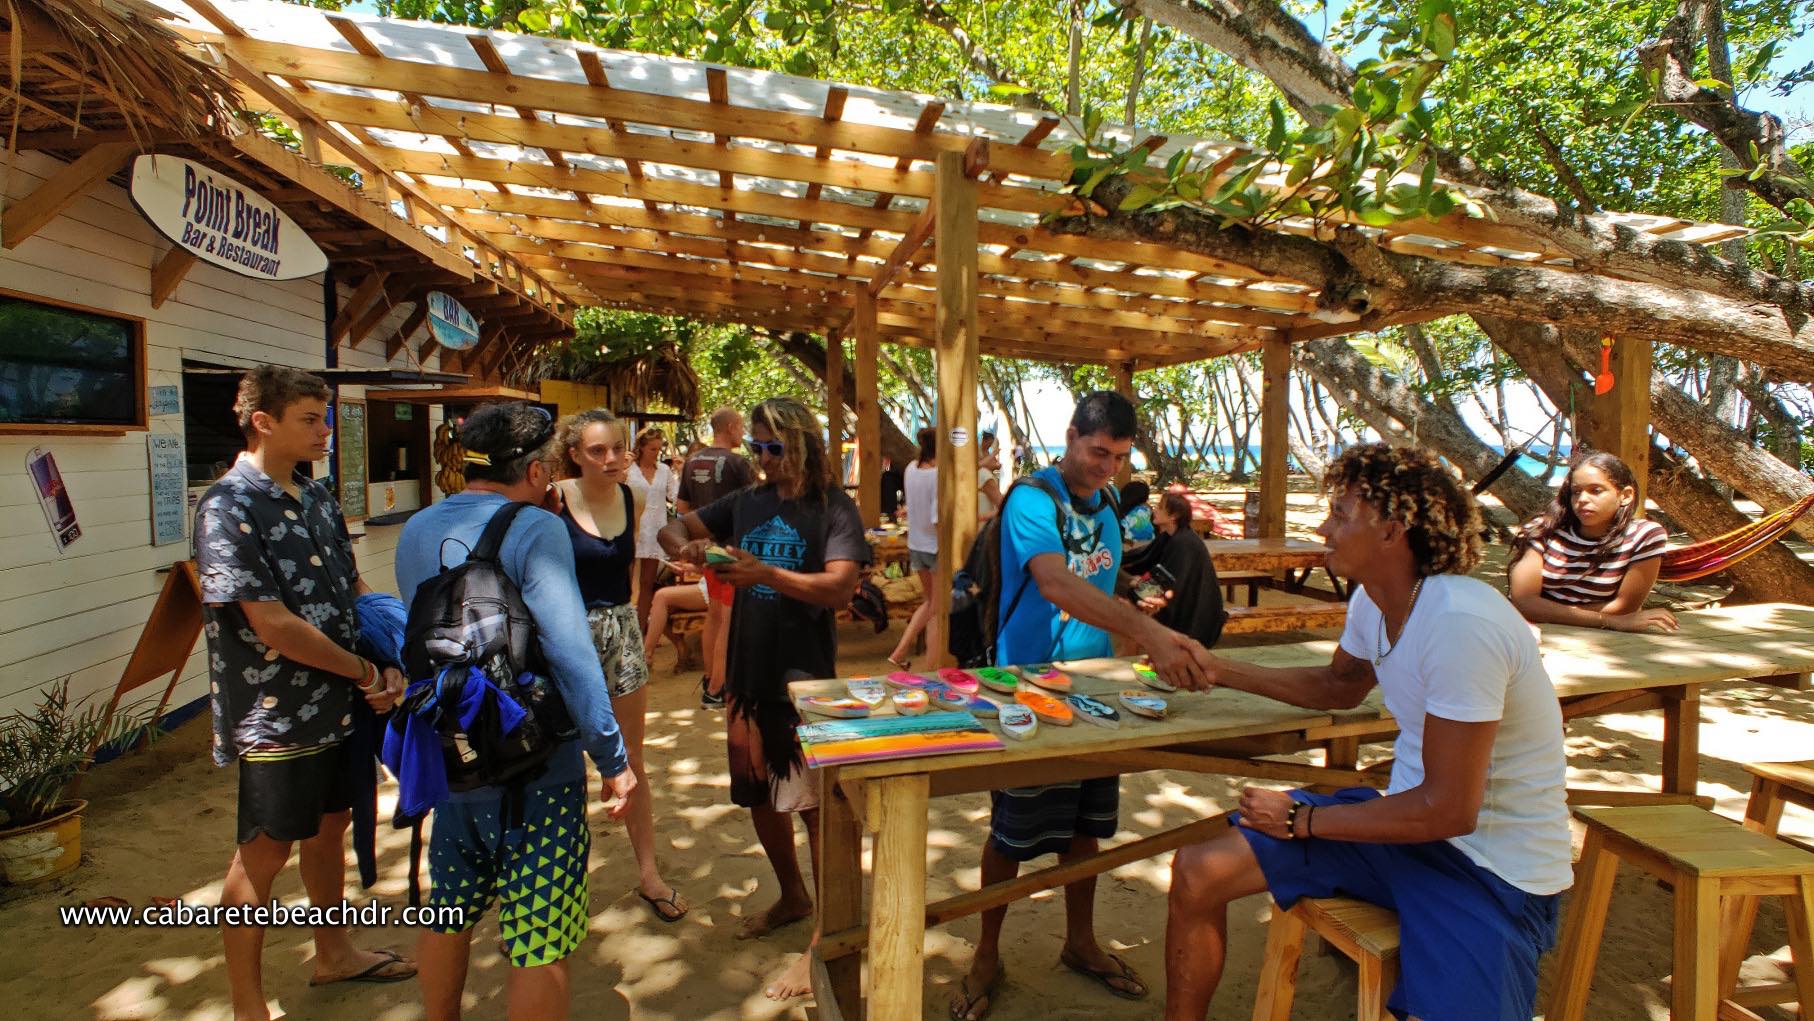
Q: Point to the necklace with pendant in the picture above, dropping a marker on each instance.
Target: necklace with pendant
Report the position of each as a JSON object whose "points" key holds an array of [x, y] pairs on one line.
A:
{"points": [[1380, 649]]}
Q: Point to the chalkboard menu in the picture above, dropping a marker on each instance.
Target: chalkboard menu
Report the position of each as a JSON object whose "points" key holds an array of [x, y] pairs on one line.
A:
{"points": [[169, 486], [349, 424]]}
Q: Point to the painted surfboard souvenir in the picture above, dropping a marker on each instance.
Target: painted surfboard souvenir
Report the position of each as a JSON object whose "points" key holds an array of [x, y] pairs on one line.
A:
{"points": [[997, 679], [832, 705], [867, 690], [962, 680], [911, 703], [959, 701], [1144, 673], [1045, 706], [900, 680], [1141, 703], [718, 555], [1018, 722], [1093, 710], [1047, 676]]}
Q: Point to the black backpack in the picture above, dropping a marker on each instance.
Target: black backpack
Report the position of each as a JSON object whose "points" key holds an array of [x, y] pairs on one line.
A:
{"points": [[473, 615], [975, 619]]}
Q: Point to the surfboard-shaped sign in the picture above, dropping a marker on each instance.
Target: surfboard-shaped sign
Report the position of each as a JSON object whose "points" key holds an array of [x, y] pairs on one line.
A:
{"points": [[454, 328], [219, 220]]}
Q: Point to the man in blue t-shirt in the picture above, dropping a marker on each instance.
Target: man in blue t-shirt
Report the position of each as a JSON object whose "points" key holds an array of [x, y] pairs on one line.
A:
{"points": [[1060, 550]]}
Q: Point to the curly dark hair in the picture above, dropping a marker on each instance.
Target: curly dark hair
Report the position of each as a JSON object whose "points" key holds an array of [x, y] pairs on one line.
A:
{"points": [[1412, 486]]}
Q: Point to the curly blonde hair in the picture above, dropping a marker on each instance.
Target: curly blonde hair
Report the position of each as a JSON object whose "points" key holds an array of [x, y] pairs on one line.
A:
{"points": [[570, 432], [1411, 485]]}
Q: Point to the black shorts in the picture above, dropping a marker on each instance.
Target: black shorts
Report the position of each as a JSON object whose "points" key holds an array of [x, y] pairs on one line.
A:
{"points": [[284, 793], [1026, 822]]}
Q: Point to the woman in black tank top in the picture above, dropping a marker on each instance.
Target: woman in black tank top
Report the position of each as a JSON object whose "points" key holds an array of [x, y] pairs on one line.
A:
{"points": [[600, 511]]}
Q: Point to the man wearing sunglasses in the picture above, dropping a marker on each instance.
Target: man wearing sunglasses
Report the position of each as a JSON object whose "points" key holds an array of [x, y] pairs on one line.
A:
{"points": [[797, 543]]}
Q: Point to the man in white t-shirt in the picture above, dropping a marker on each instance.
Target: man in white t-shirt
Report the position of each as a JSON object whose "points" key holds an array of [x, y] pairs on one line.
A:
{"points": [[1470, 843]]}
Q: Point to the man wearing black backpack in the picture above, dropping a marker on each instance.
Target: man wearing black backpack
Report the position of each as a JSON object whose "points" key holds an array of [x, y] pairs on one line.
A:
{"points": [[1060, 548], [526, 844]]}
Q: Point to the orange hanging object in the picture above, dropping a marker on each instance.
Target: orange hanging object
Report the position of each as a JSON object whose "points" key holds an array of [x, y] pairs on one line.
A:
{"points": [[1604, 381]]}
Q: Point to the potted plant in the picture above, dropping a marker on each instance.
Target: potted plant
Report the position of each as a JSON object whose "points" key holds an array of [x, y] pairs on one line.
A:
{"points": [[41, 754]]}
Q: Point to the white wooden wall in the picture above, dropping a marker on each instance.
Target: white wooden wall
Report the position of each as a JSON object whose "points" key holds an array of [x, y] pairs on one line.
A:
{"points": [[80, 613]]}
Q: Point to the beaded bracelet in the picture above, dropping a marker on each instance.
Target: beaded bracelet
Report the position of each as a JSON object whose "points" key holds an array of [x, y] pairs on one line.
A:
{"points": [[1291, 818]]}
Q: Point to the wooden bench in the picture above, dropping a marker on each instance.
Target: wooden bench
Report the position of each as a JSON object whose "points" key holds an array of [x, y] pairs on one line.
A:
{"points": [[1230, 580], [1714, 865], [1245, 620], [1773, 785], [1365, 933]]}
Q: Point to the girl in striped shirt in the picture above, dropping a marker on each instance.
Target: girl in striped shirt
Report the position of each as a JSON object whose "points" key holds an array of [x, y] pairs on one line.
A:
{"points": [[1587, 561]]}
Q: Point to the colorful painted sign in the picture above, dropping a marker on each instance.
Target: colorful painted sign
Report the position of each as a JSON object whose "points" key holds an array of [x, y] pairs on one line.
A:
{"points": [[59, 511], [454, 328], [219, 220], [893, 737]]}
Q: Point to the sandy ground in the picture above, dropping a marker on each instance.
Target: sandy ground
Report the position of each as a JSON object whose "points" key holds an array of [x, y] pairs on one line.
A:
{"points": [[161, 824]]}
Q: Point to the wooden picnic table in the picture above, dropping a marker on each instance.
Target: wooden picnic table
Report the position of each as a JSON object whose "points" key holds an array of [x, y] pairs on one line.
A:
{"points": [[1223, 732], [1295, 558]]}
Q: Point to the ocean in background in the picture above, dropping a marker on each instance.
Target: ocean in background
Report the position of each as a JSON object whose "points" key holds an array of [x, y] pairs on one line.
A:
{"points": [[1224, 454]]}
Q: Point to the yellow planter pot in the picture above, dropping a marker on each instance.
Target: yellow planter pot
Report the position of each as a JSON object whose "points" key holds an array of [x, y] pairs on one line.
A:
{"points": [[43, 850]]}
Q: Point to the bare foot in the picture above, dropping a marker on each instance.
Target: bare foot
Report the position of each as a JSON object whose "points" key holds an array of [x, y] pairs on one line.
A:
{"points": [[797, 980], [780, 913], [976, 990]]}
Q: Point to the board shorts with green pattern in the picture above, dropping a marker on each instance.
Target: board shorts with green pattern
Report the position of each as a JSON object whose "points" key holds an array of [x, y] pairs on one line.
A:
{"points": [[536, 871]]}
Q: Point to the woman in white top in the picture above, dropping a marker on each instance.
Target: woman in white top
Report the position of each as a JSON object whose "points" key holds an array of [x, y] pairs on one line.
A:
{"points": [[921, 487], [988, 483], [655, 487]]}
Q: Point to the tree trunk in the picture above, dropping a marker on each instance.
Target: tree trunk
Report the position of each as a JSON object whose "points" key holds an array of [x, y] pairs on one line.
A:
{"points": [[1772, 574], [1441, 430], [1133, 88], [801, 347]]}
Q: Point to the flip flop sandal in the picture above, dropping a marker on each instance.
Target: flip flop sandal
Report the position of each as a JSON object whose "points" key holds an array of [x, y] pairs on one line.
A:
{"points": [[1105, 976], [961, 1011], [374, 974], [671, 900]]}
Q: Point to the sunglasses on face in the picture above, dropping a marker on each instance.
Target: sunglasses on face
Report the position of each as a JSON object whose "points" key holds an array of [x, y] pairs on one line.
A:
{"points": [[772, 448]]}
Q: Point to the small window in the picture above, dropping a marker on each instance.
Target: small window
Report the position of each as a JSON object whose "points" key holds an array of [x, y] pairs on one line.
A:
{"points": [[69, 369]]}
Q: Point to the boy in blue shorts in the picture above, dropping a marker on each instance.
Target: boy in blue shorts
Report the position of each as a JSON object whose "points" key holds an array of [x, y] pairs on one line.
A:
{"points": [[1470, 842], [1060, 550]]}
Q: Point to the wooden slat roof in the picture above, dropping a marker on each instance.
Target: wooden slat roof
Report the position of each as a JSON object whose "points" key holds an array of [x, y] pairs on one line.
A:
{"points": [[667, 185]]}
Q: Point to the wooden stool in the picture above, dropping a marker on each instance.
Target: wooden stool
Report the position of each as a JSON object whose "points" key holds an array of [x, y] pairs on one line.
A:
{"points": [[1773, 785], [1230, 580], [1710, 861], [1366, 933], [682, 626]]}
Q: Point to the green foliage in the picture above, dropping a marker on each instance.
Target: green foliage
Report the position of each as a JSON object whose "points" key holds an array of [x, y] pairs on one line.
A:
{"points": [[1367, 162], [42, 752]]}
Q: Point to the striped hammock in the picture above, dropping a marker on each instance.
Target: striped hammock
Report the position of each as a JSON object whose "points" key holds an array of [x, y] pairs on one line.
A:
{"points": [[1698, 560]]}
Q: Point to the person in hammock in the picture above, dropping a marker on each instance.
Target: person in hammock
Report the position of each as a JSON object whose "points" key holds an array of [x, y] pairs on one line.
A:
{"points": [[1588, 560]]}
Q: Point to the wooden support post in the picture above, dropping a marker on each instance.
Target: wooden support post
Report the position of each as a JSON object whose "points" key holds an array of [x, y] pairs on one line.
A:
{"points": [[169, 271], [1628, 433], [1682, 740], [356, 305], [898, 912], [840, 878], [1124, 385], [834, 403], [869, 411], [957, 356], [1275, 363], [25, 216]]}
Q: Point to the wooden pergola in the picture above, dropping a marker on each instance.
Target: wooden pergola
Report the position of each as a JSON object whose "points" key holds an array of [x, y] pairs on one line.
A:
{"points": [[725, 194]]}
